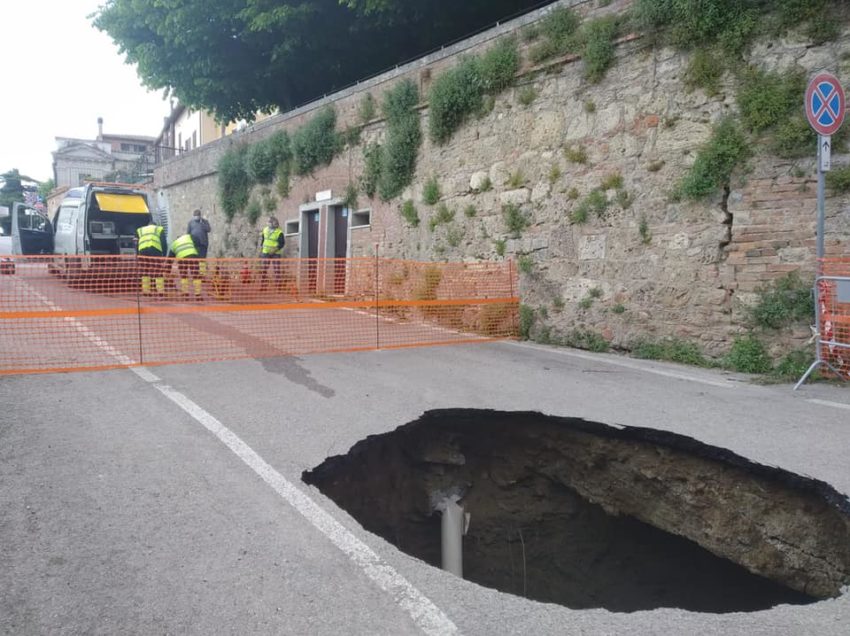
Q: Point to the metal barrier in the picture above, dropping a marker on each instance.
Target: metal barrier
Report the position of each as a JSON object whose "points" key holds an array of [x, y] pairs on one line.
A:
{"points": [[102, 312], [832, 317]]}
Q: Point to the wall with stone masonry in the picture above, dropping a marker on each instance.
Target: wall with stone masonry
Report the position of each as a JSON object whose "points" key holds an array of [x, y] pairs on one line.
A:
{"points": [[690, 276]]}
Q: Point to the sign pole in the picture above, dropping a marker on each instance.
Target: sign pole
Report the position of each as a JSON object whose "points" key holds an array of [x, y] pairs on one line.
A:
{"points": [[824, 106], [823, 150]]}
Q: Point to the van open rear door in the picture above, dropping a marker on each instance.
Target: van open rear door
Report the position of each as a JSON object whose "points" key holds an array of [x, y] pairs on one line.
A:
{"points": [[31, 231]]}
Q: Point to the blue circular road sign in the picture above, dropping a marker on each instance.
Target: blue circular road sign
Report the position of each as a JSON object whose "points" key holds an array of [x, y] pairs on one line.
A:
{"points": [[825, 104]]}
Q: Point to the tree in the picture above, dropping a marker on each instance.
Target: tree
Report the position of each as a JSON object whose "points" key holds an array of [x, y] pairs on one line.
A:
{"points": [[237, 57], [13, 188]]}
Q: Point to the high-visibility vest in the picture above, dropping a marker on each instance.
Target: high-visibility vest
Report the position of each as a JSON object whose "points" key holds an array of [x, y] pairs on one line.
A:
{"points": [[271, 238], [184, 247], [150, 236]]}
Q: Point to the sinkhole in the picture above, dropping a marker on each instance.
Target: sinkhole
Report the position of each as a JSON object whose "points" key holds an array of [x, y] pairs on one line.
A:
{"points": [[574, 512]]}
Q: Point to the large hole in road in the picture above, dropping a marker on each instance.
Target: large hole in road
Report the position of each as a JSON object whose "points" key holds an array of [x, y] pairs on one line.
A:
{"points": [[574, 512]]}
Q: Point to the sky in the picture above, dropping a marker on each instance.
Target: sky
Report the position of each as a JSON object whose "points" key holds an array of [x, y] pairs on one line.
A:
{"points": [[60, 74]]}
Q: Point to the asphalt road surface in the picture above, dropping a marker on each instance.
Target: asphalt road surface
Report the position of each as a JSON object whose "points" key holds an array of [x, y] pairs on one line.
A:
{"points": [[169, 501]]}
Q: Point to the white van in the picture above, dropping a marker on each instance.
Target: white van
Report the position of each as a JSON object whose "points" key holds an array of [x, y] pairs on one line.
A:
{"points": [[98, 219]]}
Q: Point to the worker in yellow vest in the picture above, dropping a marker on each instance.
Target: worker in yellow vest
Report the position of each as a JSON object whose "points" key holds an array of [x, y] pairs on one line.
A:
{"points": [[152, 247], [186, 252], [271, 249]]}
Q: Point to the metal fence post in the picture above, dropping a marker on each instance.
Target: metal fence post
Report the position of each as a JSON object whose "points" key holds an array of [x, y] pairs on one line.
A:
{"points": [[377, 306]]}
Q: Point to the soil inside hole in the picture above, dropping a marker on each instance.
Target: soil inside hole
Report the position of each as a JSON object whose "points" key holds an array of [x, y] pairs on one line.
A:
{"points": [[589, 516]]}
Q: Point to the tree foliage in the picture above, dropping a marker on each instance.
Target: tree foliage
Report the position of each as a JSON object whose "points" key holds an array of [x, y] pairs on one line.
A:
{"points": [[14, 184], [238, 57]]}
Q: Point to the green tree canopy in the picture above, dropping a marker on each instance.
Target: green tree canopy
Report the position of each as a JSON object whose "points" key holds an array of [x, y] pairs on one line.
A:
{"points": [[237, 57], [13, 186]]}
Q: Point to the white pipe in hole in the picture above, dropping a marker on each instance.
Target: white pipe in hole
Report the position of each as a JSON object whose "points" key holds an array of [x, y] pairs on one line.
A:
{"points": [[452, 536]]}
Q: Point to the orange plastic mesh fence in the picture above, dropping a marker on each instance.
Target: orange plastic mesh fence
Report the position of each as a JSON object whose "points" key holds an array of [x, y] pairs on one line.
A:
{"points": [[83, 313], [834, 299]]}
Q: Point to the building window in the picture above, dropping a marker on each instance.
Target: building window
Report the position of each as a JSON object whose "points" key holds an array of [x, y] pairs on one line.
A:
{"points": [[292, 227], [126, 147], [361, 218], [140, 148]]}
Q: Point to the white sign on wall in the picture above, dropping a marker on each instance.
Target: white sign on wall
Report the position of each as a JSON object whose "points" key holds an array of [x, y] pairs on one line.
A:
{"points": [[324, 195]]}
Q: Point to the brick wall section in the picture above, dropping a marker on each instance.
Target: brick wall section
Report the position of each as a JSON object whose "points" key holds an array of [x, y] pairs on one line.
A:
{"points": [[695, 276]]}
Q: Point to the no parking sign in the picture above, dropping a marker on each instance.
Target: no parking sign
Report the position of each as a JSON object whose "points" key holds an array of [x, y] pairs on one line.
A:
{"points": [[825, 104], [825, 112]]}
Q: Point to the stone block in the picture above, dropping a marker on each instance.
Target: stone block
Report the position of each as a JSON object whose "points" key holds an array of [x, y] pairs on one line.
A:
{"points": [[592, 247], [515, 197], [541, 191]]}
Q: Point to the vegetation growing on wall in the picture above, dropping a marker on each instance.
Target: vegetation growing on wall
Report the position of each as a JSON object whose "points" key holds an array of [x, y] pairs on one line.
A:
{"points": [[371, 169], [557, 34], [403, 137], [316, 143], [515, 219], [727, 148], [234, 186], [409, 213], [431, 191], [458, 93], [786, 301], [241, 167]]}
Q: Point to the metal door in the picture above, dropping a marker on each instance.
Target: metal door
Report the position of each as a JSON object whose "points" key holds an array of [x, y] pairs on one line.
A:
{"points": [[340, 248], [312, 250]]}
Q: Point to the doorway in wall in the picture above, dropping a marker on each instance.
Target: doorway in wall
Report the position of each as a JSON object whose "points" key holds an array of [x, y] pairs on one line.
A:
{"points": [[340, 247]]}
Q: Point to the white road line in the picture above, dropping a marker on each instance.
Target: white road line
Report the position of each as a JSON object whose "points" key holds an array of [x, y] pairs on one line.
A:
{"points": [[636, 366], [96, 340], [144, 374], [427, 616], [836, 405]]}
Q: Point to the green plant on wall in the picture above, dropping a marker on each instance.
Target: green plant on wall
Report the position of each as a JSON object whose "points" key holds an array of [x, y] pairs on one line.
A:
{"points": [[838, 180], [527, 95], [576, 154], [598, 46], [671, 349], [613, 181], [316, 143], [643, 230], [458, 93], [454, 236], [558, 31], [526, 321], [269, 203], [704, 71], [253, 211], [765, 99], [499, 245], [282, 174], [516, 180], [788, 300], [371, 169], [260, 163], [442, 215], [748, 355], [727, 149], [350, 198], [233, 182], [409, 213], [366, 111], [431, 191], [403, 137], [515, 220]]}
